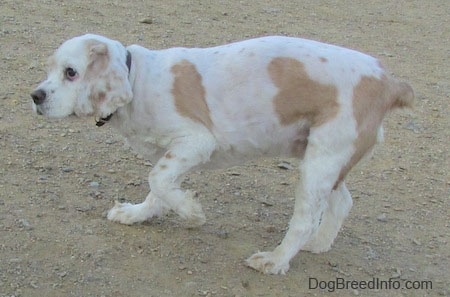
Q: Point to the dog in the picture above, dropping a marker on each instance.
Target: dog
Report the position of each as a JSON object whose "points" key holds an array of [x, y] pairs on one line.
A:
{"points": [[186, 108]]}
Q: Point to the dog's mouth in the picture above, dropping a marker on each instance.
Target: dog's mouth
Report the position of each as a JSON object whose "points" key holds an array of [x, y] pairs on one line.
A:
{"points": [[37, 109]]}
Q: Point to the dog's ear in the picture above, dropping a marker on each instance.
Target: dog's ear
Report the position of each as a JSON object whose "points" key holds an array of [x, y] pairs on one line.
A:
{"points": [[107, 77]]}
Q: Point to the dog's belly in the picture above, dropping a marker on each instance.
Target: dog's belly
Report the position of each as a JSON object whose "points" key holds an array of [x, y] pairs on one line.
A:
{"points": [[234, 147], [239, 146]]}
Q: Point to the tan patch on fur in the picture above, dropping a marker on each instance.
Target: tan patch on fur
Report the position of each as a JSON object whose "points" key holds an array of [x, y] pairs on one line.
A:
{"points": [[370, 104], [300, 97], [323, 60], [189, 93], [98, 58], [109, 86], [163, 166], [97, 65]]}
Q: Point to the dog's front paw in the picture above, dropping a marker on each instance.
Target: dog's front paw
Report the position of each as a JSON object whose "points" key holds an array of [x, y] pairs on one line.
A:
{"points": [[126, 213], [267, 263]]}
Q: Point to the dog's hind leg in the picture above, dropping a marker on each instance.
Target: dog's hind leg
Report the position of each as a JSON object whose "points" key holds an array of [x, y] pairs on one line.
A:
{"points": [[324, 159]]}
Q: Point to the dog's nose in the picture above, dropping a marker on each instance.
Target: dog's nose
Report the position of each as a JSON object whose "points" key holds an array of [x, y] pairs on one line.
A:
{"points": [[38, 96]]}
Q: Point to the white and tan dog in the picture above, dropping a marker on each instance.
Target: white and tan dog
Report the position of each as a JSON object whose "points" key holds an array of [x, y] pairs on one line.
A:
{"points": [[271, 96]]}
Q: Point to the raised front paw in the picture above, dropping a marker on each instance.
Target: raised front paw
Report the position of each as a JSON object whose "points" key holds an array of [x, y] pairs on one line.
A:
{"points": [[126, 213], [267, 263]]}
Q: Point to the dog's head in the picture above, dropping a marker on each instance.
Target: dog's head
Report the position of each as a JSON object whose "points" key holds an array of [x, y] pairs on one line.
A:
{"points": [[87, 75]]}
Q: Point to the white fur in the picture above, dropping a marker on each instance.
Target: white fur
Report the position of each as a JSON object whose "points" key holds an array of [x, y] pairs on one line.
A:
{"points": [[239, 94]]}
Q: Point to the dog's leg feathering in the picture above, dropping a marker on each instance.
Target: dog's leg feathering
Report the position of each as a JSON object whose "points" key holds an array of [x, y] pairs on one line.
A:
{"points": [[339, 205]]}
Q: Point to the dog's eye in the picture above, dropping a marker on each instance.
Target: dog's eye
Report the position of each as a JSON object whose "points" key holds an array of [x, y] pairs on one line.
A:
{"points": [[70, 73]]}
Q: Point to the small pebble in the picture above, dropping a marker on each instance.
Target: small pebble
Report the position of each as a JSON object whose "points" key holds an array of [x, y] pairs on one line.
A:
{"points": [[285, 165], [417, 242], [266, 203], [271, 229], [222, 234], [382, 217], [61, 274], [333, 264], [110, 141], [94, 184], [234, 173], [25, 224], [148, 21]]}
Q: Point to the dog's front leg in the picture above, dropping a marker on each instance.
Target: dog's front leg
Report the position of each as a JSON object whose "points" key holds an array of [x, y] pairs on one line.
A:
{"points": [[165, 179]]}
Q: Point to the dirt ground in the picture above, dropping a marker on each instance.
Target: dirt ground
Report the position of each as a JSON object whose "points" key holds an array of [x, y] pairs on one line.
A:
{"points": [[60, 176]]}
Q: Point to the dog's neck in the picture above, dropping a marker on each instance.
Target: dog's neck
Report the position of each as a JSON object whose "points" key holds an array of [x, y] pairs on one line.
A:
{"points": [[103, 121]]}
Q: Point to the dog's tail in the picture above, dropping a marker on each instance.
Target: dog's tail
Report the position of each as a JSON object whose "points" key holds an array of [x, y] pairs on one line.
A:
{"points": [[402, 95]]}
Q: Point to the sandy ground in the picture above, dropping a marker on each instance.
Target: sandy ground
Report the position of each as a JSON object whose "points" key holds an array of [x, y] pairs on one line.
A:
{"points": [[60, 176]]}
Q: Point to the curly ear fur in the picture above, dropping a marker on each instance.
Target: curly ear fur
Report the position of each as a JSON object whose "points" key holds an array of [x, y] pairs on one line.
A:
{"points": [[107, 76]]}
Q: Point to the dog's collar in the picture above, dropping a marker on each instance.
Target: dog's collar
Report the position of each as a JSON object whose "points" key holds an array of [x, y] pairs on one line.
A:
{"points": [[103, 121]]}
